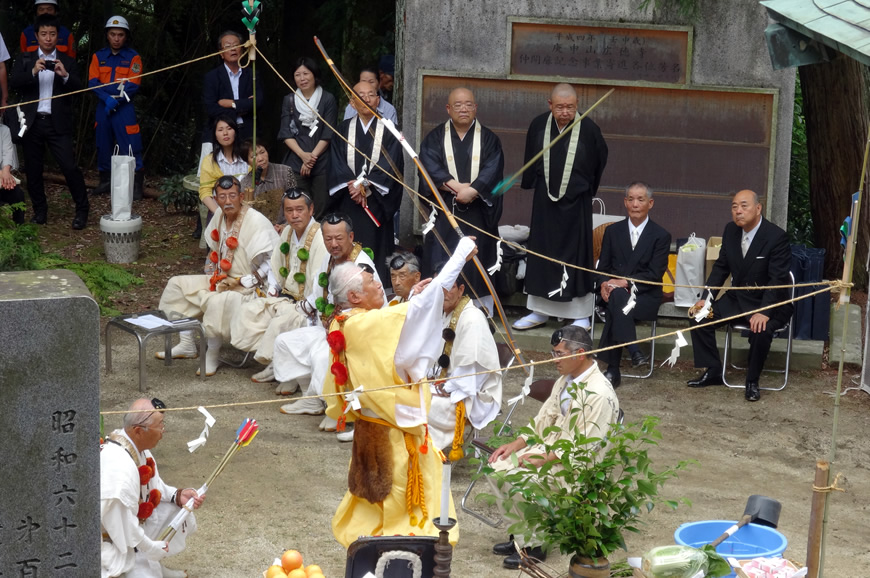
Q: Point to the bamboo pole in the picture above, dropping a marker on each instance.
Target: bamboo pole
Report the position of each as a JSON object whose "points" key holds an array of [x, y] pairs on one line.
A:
{"points": [[848, 266], [817, 511]]}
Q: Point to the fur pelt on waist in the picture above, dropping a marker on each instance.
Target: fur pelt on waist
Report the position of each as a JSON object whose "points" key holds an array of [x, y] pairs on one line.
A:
{"points": [[371, 464]]}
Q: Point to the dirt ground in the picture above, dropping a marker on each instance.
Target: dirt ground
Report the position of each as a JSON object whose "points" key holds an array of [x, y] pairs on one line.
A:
{"points": [[282, 490]]}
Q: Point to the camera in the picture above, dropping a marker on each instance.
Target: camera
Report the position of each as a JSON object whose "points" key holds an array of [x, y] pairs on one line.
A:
{"points": [[49, 64]]}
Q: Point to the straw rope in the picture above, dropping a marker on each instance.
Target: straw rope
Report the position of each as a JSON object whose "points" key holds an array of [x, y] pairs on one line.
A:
{"points": [[144, 74], [839, 284], [543, 362], [832, 488]]}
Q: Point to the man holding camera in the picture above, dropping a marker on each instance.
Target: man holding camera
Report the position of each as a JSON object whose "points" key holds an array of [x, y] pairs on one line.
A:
{"points": [[41, 75]]}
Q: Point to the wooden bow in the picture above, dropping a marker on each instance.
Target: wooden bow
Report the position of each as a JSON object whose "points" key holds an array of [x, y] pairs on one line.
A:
{"points": [[437, 194]]}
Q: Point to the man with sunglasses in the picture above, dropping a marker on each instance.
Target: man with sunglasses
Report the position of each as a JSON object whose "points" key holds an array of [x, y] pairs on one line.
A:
{"points": [[130, 486], [367, 188], [404, 274], [467, 347], [465, 161], [394, 477], [292, 276], [301, 355], [241, 241], [581, 390]]}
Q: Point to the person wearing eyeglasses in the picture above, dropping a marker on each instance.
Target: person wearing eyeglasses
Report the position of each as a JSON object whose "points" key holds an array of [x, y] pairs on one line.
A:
{"points": [[564, 180], [394, 479], [136, 505], [458, 397], [636, 247], [367, 188], [302, 356], [241, 241], [404, 274], [292, 276], [581, 396], [229, 88], [370, 75], [465, 160], [269, 183]]}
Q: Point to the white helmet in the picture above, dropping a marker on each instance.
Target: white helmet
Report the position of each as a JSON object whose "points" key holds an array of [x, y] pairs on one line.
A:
{"points": [[38, 2], [117, 22]]}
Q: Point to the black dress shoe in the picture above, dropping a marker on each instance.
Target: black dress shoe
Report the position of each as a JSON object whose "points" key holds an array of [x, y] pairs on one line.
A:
{"points": [[513, 561], [713, 376], [638, 359], [613, 376], [505, 548], [752, 392], [80, 221], [39, 218]]}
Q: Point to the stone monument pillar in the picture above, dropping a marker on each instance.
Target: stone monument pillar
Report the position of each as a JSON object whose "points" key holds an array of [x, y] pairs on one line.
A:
{"points": [[50, 447]]}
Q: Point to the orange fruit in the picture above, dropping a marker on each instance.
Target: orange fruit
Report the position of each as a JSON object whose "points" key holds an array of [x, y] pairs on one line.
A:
{"points": [[312, 570], [291, 560], [297, 573], [275, 572]]}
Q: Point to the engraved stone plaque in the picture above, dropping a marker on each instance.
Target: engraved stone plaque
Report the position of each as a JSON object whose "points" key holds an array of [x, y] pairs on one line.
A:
{"points": [[49, 392]]}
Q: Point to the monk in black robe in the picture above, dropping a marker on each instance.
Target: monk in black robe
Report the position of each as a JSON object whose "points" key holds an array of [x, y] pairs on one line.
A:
{"points": [[564, 180], [354, 184], [466, 168]]}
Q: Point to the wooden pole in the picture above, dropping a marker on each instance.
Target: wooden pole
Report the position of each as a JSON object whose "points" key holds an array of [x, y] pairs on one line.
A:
{"points": [[817, 514]]}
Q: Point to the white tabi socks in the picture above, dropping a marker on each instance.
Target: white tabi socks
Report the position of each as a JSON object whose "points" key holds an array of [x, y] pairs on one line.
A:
{"points": [[186, 348]]}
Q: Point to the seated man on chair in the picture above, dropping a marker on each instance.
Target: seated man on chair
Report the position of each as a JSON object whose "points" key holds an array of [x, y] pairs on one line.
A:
{"points": [[241, 241], [637, 248], [755, 252], [596, 402]]}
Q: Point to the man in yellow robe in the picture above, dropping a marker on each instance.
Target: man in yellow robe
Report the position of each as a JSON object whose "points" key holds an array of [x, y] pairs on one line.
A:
{"points": [[394, 479]]}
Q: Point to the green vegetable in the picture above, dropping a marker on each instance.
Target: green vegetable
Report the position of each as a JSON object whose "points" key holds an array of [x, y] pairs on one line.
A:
{"points": [[285, 248], [673, 562], [716, 564]]}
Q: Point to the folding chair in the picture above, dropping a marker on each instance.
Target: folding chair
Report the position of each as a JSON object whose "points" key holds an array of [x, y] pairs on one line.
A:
{"points": [[391, 557], [652, 346], [744, 327], [540, 391]]}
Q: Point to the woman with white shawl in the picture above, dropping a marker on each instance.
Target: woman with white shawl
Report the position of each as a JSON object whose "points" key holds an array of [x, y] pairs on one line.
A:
{"points": [[305, 133]]}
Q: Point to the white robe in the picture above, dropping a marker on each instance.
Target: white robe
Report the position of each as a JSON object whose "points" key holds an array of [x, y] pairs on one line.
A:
{"points": [[189, 295], [473, 350], [258, 322], [302, 354], [119, 503]]}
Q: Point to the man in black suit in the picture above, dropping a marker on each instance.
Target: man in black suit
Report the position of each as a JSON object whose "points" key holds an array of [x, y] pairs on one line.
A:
{"points": [[42, 74], [637, 248], [229, 88], [754, 252]]}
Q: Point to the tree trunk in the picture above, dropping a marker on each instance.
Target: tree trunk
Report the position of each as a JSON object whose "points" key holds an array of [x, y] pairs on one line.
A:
{"points": [[836, 96]]}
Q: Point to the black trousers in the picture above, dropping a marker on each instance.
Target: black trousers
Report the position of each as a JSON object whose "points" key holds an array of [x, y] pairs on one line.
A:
{"points": [[619, 327], [704, 345], [10, 197], [43, 133]]}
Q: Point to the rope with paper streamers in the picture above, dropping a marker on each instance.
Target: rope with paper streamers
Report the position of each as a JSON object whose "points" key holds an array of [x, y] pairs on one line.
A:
{"points": [[529, 365], [434, 207], [838, 284]]}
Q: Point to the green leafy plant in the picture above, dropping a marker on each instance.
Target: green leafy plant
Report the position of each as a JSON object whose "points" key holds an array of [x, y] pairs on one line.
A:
{"points": [[175, 194], [583, 501], [102, 279], [19, 244]]}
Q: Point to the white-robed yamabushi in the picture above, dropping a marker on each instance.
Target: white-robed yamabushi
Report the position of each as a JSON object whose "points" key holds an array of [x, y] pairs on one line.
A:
{"points": [[302, 354], [195, 295], [473, 351], [258, 322], [128, 546]]}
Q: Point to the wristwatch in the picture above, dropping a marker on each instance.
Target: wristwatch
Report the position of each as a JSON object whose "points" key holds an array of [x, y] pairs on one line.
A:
{"points": [[234, 104]]}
